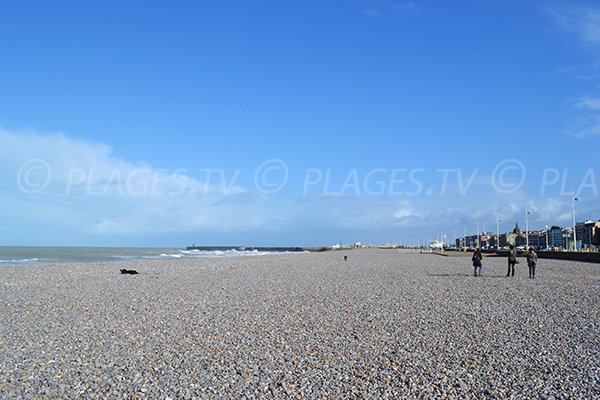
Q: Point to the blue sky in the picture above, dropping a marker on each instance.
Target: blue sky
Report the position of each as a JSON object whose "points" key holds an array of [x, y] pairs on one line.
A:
{"points": [[294, 123]]}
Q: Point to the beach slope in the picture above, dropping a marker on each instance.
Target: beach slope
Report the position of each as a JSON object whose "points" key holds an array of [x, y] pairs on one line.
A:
{"points": [[382, 324]]}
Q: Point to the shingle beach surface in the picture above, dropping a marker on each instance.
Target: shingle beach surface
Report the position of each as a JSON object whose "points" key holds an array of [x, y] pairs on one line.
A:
{"points": [[384, 324]]}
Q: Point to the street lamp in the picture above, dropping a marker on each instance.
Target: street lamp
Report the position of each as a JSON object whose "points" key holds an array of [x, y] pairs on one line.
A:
{"points": [[526, 227], [573, 200], [498, 232], [547, 244], [478, 242]]}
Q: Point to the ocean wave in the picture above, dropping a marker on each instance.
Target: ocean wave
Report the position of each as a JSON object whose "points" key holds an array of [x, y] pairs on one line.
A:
{"points": [[122, 257], [20, 261], [225, 253], [171, 255]]}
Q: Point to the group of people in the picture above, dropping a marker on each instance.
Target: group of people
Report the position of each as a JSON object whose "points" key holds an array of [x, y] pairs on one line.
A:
{"points": [[512, 261]]}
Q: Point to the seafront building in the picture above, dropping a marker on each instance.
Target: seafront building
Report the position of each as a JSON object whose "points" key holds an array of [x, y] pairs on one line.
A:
{"points": [[588, 233], [555, 237]]}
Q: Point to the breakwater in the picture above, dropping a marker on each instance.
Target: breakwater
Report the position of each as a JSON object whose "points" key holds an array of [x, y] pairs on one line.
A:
{"points": [[265, 249]]}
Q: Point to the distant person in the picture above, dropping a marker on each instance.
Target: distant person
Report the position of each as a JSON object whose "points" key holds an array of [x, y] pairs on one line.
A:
{"points": [[512, 260], [531, 262], [477, 257]]}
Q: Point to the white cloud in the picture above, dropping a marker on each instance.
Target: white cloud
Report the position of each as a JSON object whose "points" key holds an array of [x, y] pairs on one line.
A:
{"points": [[403, 213], [91, 193], [588, 103], [547, 210], [564, 218], [96, 192], [106, 226], [84, 188]]}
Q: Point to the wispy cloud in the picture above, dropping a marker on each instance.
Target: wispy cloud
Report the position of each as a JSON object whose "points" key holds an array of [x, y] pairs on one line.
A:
{"points": [[408, 7], [585, 126], [588, 103], [580, 19], [588, 124], [371, 12], [378, 8]]}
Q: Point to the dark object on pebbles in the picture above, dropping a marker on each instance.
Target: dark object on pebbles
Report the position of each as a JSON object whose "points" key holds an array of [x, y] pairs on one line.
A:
{"points": [[345, 258], [129, 271]]}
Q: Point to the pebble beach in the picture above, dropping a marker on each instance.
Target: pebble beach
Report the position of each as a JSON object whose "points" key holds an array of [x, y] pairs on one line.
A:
{"points": [[384, 324]]}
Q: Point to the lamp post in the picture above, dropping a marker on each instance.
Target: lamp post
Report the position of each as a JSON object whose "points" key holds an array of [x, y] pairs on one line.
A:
{"points": [[573, 200], [478, 242], [526, 227], [547, 244], [498, 233]]}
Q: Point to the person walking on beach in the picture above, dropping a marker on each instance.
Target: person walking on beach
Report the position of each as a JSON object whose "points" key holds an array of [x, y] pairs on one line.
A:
{"points": [[531, 262], [477, 257], [512, 260]]}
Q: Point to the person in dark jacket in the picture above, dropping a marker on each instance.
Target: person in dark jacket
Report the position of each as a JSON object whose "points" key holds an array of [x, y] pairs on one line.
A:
{"points": [[512, 260], [531, 262], [477, 257]]}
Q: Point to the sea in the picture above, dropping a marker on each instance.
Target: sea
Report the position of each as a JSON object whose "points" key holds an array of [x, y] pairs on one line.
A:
{"points": [[59, 255]]}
